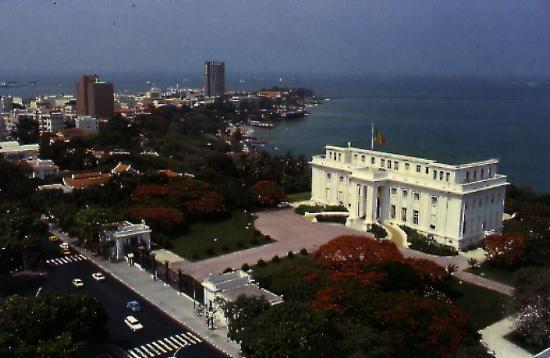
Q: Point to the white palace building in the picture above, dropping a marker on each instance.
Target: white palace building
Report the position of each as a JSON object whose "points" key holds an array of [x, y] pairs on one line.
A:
{"points": [[457, 204]]}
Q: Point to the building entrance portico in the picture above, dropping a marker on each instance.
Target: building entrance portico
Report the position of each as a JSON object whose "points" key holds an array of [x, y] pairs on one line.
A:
{"points": [[367, 208]]}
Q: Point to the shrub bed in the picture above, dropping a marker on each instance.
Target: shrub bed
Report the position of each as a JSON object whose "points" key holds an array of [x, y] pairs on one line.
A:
{"points": [[420, 242], [378, 231]]}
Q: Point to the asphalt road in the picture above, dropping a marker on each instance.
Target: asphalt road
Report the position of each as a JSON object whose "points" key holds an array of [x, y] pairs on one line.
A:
{"points": [[161, 334]]}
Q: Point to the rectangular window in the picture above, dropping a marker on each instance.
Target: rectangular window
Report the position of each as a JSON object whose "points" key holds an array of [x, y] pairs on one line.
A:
{"points": [[403, 214], [432, 226], [405, 193], [382, 162], [467, 176], [373, 160], [392, 211], [396, 165], [418, 168], [435, 174], [415, 217], [393, 191], [389, 164], [441, 175], [448, 176], [481, 175], [328, 176], [341, 179], [475, 174], [407, 166], [489, 172], [355, 156], [427, 170], [339, 156], [363, 158], [434, 200], [416, 196]]}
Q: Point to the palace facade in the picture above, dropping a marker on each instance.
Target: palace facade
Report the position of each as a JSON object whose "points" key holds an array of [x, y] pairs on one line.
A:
{"points": [[456, 204]]}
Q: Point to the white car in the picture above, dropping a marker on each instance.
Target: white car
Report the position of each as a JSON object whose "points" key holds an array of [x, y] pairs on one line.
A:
{"points": [[133, 323], [78, 283], [64, 246], [98, 276]]}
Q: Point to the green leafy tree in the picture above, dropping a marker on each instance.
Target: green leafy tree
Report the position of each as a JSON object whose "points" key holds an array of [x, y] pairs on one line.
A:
{"points": [[27, 130], [89, 224], [289, 330], [56, 325], [241, 313]]}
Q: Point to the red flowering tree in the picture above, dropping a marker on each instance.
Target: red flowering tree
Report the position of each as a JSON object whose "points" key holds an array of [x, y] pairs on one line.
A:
{"points": [[209, 205], [160, 217], [507, 249], [355, 253], [424, 327], [148, 191], [429, 272], [267, 193]]}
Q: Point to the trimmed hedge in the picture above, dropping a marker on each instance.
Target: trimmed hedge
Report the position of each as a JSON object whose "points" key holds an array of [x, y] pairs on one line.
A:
{"points": [[426, 244], [339, 219]]}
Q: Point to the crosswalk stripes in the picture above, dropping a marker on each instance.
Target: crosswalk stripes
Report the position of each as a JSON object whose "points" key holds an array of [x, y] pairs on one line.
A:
{"points": [[163, 346], [65, 260]]}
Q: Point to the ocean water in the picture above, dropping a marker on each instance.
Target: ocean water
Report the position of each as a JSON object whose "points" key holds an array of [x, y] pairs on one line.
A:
{"points": [[453, 122], [444, 119]]}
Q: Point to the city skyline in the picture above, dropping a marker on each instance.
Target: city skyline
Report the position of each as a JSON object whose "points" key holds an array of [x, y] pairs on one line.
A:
{"points": [[492, 39]]}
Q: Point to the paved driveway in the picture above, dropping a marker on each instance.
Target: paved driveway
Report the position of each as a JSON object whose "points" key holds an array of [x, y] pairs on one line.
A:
{"points": [[293, 232], [290, 230]]}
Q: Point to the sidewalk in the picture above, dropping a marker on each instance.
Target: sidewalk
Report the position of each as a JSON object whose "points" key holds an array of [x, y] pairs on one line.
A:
{"points": [[167, 299], [493, 336]]}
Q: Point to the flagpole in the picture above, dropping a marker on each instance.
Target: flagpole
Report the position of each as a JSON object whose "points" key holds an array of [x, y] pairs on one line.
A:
{"points": [[372, 136]]}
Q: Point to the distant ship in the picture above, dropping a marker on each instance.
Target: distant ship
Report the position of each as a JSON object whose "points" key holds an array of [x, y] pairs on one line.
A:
{"points": [[12, 84]]}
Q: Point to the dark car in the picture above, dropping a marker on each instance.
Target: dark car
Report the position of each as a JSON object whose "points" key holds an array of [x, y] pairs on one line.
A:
{"points": [[133, 306]]}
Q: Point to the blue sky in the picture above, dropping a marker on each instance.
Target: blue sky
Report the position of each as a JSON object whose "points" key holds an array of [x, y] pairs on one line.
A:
{"points": [[484, 38]]}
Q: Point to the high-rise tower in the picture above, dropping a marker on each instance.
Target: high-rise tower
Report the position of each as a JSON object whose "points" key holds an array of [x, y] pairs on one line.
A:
{"points": [[214, 79]]}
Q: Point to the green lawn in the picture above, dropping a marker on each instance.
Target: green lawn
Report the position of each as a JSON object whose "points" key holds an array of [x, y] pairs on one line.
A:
{"points": [[209, 239], [521, 341], [502, 275], [482, 306], [292, 198]]}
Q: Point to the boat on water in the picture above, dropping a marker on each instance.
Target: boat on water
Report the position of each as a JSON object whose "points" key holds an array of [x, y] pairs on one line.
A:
{"points": [[260, 124]]}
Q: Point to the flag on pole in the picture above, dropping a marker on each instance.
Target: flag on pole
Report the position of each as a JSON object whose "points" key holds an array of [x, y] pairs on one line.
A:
{"points": [[379, 138]]}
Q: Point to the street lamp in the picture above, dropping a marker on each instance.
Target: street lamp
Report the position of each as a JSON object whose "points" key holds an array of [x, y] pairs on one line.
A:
{"points": [[176, 352]]}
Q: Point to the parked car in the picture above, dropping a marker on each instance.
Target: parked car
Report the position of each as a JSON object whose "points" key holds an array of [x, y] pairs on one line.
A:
{"points": [[133, 323], [284, 204], [133, 306], [78, 283], [53, 238], [64, 246], [98, 276]]}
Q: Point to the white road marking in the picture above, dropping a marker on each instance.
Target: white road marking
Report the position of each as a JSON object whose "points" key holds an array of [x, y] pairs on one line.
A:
{"points": [[147, 351], [181, 339], [176, 343], [148, 345], [192, 335], [140, 352], [161, 342], [133, 354], [158, 347]]}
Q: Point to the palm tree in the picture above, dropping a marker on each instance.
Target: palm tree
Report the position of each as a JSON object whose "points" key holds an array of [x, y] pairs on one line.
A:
{"points": [[473, 262]]}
